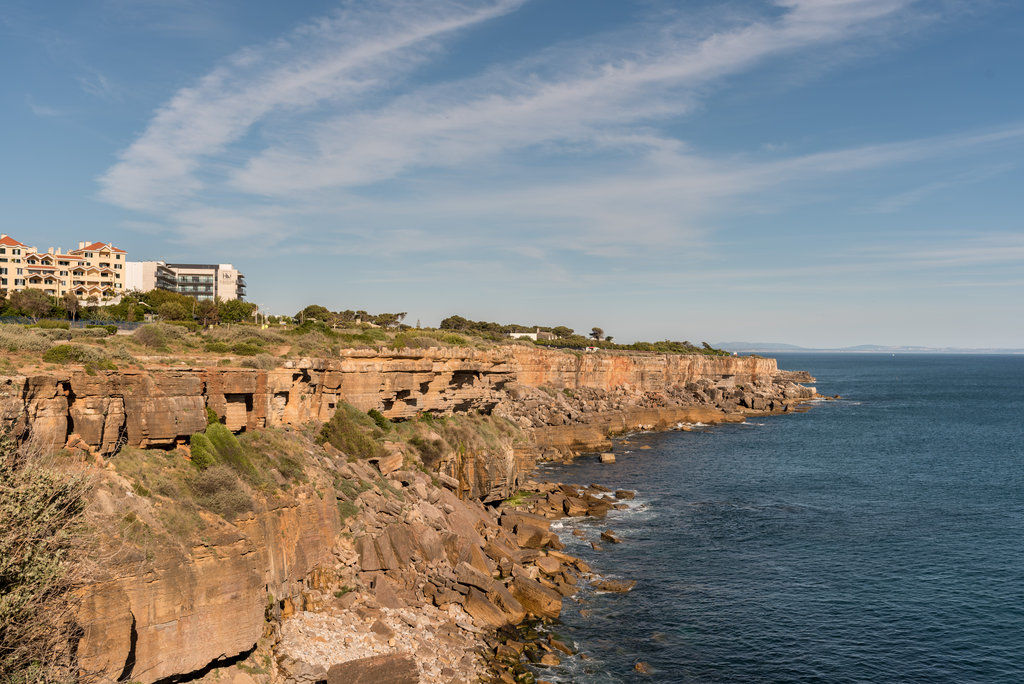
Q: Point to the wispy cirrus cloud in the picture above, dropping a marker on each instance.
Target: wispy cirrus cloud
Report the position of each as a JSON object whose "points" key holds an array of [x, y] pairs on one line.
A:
{"points": [[335, 59], [41, 110], [575, 148]]}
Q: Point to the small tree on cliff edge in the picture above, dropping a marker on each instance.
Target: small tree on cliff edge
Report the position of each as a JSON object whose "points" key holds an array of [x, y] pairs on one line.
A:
{"points": [[69, 302], [32, 303], [597, 334]]}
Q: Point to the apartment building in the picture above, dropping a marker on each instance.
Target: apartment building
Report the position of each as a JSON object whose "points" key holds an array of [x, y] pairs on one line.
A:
{"points": [[202, 281], [95, 270]]}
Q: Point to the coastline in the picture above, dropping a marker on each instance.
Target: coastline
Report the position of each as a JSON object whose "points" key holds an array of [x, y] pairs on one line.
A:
{"points": [[424, 562], [567, 505]]}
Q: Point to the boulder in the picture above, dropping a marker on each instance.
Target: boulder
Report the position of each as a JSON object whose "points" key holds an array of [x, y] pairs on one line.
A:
{"points": [[536, 598], [471, 577], [503, 598], [396, 668], [369, 561], [612, 585], [610, 537], [485, 613], [574, 506], [607, 457], [549, 565], [531, 537]]}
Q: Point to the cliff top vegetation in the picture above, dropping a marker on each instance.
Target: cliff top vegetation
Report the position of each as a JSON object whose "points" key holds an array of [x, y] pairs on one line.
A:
{"points": [[169, 329]]}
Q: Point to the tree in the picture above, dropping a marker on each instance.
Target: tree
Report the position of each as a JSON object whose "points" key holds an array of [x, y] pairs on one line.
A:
{"points": [[389, 320], [562, 331], [236, 311], [454, 323], [174, 311], [314, 312], [32, 303], [208, 312], [70, 304], [608, 339], [597, 333]]}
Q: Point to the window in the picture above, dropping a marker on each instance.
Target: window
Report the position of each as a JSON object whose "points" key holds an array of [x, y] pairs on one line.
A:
{"points": [[3, 271], [117, 256], [20, 271], [3, 250]]}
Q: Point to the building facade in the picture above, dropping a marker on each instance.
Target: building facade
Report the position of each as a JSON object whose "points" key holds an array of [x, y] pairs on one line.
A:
{"points": [[202, 281], [93, 271]]}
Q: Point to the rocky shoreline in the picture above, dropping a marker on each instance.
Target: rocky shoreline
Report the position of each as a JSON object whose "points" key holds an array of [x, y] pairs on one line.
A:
{"points": [[389, 569]]}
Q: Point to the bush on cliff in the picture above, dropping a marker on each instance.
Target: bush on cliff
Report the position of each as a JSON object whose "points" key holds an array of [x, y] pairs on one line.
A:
{"points": [[382, 422], [89, 357], [42, 531], [228, 450], [158, 335], [204, 454], [218, 489], [430, 451], [15, 338], [351, 431]]}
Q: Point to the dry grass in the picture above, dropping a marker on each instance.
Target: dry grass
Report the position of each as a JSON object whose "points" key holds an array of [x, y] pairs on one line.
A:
{"points": [[44, 547]]}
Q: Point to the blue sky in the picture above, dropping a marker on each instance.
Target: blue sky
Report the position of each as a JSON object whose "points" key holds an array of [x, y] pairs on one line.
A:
{"points": [[820, 172]]}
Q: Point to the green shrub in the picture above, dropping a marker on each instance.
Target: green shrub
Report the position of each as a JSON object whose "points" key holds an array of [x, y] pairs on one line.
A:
{"points": [[219, 490], [190, 326], [218, 347], [158, 335], [382, 422], [52, 325], [430, 451], [231, 334], [260, 362], [346, 510], [311, 326], [15, 338], [229, 451], [350, 431], [110, 329], [246, 349], [211, 416], [204, 454], [69, 353]]}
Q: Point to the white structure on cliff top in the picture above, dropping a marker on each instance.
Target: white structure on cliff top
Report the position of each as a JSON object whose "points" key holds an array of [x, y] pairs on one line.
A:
{"points": [[95, 270], [202, 281]]}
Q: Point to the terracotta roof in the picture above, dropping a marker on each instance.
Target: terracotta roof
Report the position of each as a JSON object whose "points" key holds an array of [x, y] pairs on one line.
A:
{"points": [[8, 241], [34, 267], [97, 246]]}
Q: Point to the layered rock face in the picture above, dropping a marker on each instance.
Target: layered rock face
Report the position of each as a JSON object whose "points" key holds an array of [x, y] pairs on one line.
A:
{"points": [[163, 407], [164, 609], [638, 372]]}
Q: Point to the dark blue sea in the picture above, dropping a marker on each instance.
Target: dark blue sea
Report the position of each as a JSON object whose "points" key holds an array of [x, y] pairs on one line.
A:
{"points": [[878, 538]]}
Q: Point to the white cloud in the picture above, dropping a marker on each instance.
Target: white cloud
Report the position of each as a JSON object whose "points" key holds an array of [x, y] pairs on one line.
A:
{"points": [[41, 110], [323, 133], [340, 57], [509, 109]]}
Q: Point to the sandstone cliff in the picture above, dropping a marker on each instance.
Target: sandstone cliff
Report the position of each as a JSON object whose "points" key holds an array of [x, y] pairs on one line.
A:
{"points": [[163, 407], [172, 608]]}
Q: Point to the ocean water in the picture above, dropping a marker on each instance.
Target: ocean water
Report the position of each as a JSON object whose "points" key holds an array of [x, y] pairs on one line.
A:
{"points": [[879, 538]]}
